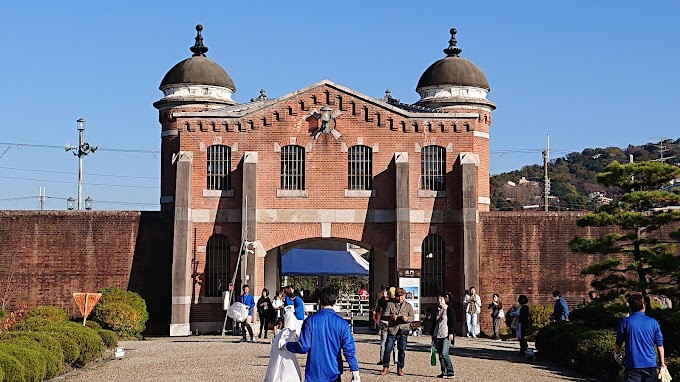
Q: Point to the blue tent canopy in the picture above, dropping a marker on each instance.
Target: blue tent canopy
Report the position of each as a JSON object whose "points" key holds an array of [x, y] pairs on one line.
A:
{"points": [[320, 262]]}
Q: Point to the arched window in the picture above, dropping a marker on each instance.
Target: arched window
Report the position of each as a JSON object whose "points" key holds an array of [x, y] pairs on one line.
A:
{"points": [[218, 167], [360, 168], [292, 167], [432, 267], [217, 270], [433, 168]]}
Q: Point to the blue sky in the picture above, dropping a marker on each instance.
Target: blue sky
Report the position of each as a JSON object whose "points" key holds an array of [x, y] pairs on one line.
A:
{"points": [[591, 74]]}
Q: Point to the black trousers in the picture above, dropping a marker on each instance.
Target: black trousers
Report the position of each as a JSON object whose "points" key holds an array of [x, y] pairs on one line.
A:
{"points": [[264, 323], [647, 374]]}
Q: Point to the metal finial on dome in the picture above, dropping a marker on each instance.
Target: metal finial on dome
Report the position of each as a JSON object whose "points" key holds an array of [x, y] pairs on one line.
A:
{"points": [[199, 49], [453, 50]]}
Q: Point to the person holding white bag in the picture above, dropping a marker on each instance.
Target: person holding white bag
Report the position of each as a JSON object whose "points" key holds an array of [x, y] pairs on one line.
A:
{"points": [[497, 315], [283, 365]]}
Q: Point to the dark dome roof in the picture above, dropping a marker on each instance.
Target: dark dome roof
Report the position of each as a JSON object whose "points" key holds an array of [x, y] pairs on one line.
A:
{"points": [[198, 70], [453, 71]]}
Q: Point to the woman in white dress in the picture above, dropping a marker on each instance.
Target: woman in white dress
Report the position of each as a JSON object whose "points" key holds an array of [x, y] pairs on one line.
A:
{"points": [[283, 365]]}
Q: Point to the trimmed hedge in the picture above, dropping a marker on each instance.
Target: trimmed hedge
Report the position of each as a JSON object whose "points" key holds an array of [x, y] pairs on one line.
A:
{"points": [[47, 312], [35, 364], [53, 363], [90, 345], [579, 345], [69, 346], [121, 311], [13, 369], [2, 374], [109, 337]]}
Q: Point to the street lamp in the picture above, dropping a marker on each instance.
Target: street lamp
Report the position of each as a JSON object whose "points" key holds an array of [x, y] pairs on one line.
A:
{"points": [[70, 202], [88, 203], [82, 150]]}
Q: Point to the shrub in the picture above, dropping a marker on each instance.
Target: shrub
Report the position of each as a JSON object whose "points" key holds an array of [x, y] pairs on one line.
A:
{"points": [[53, 361], [69, 346], [601, 312], [13, 369], [539, 316], [35, 364], [93, 325], [121, 311], [587, 348], [2, 374], [51, 313], [669, 321], [673, 366], [32, 324], [109, 337], [2, 315], [90, 345]]}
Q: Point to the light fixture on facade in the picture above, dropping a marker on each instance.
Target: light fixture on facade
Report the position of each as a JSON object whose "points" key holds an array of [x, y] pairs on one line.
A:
{"points": [[325, 118], [88, 203], [70, 203]]}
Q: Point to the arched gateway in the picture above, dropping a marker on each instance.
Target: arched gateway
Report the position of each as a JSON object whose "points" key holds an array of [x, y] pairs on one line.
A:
{"points": [[322, 164]]}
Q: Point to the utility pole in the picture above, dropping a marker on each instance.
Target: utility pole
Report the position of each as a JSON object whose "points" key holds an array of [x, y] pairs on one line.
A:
{"points": [[546, 180], [82, 150], [662, 149]]}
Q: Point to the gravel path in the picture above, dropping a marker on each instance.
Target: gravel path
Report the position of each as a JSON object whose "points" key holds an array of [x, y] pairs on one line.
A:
{"points": [[214, 358]]}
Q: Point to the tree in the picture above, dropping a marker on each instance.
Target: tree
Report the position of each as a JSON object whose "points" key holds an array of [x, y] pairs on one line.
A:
{"points": [[640, 253]]}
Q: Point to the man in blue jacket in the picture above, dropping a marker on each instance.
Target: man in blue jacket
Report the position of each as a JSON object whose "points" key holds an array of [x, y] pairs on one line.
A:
{"points": [[295, 301], [323, 334], [640, 334], [560, 310], [248, 300]]}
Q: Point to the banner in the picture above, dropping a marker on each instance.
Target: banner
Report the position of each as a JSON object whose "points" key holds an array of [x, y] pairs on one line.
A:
{"points": [[412, 287]]}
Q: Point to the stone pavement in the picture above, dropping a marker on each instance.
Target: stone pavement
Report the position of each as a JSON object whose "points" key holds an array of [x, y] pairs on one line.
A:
{"points": [[214, 358]]}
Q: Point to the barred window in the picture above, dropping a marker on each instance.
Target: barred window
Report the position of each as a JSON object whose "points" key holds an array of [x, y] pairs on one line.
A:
{"points": [[432, 267], [216, 273], [360, 168], [433, 168], [218, 167], [292, 167]]}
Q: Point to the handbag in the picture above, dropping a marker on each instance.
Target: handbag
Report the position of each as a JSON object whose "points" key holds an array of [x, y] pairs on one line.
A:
{"points": [[433, 356], [501, 314]]}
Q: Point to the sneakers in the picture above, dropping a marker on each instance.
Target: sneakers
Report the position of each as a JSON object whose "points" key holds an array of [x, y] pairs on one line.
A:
{"points": [[244, 340], [469, 335], [474, 336], [252, 340]]}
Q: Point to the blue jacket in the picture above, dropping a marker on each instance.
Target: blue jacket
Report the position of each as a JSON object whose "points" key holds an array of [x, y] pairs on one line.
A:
{"points": [[640, 333], [249, 300], [299, 306], [561, 310], [323, 334]]}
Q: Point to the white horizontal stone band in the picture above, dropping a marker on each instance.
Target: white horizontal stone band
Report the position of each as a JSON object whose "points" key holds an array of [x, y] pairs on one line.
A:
{"points": [[481, 134]]}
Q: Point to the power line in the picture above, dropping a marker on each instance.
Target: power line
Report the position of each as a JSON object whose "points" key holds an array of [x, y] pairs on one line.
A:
{"points": [[119, 150], [70, 182], [97, 201], [71, 172]]}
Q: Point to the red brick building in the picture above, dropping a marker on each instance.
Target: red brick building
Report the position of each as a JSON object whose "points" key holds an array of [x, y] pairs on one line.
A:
{"points": [[321, 165]]}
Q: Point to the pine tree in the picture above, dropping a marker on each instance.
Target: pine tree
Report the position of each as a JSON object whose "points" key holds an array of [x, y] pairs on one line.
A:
{"points": [[640, 249]]}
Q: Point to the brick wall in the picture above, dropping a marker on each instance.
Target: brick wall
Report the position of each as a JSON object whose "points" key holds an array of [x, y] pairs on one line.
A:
{"points": [[58, 253]]}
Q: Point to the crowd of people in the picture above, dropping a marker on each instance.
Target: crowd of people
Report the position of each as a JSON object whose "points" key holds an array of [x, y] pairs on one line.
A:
{"points": [[326, 337]]}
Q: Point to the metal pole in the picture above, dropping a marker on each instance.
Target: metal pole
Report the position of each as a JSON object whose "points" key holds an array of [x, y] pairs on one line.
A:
{"points": [[80, 168], [546, 180]]}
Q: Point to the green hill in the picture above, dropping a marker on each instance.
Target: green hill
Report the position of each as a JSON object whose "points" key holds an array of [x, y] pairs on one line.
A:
{"points": [[573, 178]]}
